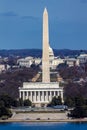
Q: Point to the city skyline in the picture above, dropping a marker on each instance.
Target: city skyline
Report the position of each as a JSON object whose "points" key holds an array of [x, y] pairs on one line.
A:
{"points": [[21, 24]]}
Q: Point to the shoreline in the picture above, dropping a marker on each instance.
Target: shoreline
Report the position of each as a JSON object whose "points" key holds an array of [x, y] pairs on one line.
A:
{"points": [[41, 117], [47, 121]]}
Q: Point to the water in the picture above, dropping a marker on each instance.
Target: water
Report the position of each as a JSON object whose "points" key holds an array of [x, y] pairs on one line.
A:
{"points": [[43, 126]]}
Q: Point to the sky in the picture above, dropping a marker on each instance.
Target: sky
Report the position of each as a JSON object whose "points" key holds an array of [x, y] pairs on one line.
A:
{"points": [[21, 24]]}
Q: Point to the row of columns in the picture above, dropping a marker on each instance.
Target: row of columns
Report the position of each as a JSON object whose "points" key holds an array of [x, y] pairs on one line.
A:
{"points": [[40, 96]]}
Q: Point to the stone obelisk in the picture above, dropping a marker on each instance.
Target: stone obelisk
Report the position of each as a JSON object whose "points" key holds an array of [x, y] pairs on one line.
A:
{"points": [[45, 55]]}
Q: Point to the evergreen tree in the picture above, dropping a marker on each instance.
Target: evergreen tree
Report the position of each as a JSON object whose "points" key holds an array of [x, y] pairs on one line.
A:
{"points": [[55, 101], [27, 102], [80, 109]]}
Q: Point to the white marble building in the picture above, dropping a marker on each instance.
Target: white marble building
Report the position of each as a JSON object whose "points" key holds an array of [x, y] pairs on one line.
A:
{"points": [[71, 61], [40, 93], [25, 62], [37, 61], [82, 58], [4, 67]]}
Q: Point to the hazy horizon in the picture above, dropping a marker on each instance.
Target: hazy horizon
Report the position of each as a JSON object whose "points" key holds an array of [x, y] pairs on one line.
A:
{"points": [[38, 49]]}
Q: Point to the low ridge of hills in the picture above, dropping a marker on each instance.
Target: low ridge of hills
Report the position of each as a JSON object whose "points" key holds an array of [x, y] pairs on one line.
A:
{"points": [[38, 52]]}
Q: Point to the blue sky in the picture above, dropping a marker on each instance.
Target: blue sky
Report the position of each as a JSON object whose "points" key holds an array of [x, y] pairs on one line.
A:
{"points": [[21, 23]]}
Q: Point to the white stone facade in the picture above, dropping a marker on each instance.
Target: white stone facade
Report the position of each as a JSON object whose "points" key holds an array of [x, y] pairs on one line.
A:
{"points": [[82, 58], [71, 61], [37, 61], [4, 67], [40, 93], [25, 62]]}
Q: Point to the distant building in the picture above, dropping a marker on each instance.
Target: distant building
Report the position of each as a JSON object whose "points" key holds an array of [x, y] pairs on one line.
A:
{"points": [[54, 61], [25, 62], [4, 67], [28, 61], [71, 62], [37, 61], [82, 58]]}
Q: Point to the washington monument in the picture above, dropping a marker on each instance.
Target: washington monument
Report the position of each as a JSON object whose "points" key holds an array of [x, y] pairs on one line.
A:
{"points": [[41, 93], [45, 55]]}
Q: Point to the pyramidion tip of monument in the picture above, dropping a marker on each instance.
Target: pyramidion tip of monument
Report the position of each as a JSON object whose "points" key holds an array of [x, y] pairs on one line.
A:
{"points": [[45, 10]]}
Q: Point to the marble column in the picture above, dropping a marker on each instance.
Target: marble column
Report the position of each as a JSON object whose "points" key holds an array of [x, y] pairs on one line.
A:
{"points": [[38, 96], [54, 93], [50, 95], [62, 96], [43, 98]]}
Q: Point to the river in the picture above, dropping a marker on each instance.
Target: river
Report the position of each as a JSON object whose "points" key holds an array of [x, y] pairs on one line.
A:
{"points": [[43, 126]]}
